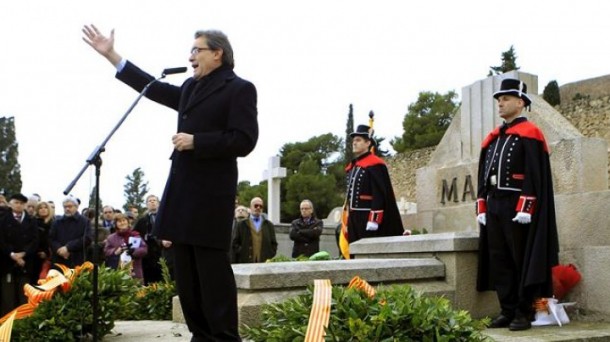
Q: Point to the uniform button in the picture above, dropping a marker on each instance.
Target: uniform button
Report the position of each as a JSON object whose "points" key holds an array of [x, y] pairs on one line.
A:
{"points": [[184, 117]]}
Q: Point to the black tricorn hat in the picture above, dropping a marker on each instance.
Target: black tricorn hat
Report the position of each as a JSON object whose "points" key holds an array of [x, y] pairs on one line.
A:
{"points": [[361, 131], [19, 197], [514, 87]]}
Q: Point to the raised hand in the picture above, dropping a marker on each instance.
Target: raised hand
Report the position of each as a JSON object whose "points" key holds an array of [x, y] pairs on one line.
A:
{"points": [[100, 43]]}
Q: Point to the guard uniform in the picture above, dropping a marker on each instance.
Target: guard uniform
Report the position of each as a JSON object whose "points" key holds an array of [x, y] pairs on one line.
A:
{"points": [[515, 176], [370, 198]]}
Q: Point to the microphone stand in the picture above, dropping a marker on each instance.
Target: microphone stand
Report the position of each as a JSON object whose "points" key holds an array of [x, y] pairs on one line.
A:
{"points": [[96, 160]]}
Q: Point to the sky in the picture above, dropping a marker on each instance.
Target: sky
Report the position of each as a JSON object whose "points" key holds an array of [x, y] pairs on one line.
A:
{"points": [[308, 59]]}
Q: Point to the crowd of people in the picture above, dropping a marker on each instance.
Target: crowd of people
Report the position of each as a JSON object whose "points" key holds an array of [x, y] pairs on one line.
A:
{"points": [[33, 238]]}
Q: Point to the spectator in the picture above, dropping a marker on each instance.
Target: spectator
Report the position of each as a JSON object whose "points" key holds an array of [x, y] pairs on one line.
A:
{"points": [[125, 246], [254, 239], [241, 213], [31, 205], [70, 235], [18, 242], [44, 220], [305, 231], [108, 218], [144, 226]]}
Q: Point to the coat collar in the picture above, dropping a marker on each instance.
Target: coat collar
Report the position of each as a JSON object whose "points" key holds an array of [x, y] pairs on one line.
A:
{"points": [[209, 84]]}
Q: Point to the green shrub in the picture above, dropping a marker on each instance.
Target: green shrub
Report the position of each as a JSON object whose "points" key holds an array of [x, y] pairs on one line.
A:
{"points": [[396, 313], [154, 302], [69, 316]]}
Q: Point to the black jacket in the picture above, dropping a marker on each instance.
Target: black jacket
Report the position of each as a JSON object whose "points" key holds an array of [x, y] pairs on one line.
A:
{"points": [[306, 236], [75, 233], [17, 237], [199, 197]]}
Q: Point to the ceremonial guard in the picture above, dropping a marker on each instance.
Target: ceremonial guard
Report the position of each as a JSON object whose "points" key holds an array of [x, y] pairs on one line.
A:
{"points": [[370, 208], [518, 242]]}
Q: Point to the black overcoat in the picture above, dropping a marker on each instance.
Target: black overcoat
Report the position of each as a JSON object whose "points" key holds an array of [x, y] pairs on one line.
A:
{"points": [[542, 245], [199, 197]]}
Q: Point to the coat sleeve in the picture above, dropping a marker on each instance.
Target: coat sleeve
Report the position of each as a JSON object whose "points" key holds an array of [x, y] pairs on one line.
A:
{"points": [[160, 92]]}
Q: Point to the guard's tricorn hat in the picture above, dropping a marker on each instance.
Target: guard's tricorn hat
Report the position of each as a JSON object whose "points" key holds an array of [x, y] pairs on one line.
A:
{"points": [[514, 87], [361, 131], [19, 197]]}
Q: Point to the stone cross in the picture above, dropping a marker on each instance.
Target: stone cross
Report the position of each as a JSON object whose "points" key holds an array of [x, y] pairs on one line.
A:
{"points": [[274, 175]]}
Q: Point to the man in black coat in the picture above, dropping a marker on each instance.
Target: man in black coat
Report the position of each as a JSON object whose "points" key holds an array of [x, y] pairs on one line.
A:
{"points": [[305, 231], [518, 243], [144, 226], [18, 243], [217, 122], [70, 235]]}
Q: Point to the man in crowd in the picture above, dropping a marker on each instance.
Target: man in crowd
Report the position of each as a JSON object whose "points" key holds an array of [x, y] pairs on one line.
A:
{"points": [[18, 243], [518, 242], [70, 235], [217, 123], [254, 239], [108, 218], [305, 231], [144, 226]]}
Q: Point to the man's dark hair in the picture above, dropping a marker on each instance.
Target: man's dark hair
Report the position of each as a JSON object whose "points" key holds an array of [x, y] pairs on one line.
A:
{"points": [[217, 40]]}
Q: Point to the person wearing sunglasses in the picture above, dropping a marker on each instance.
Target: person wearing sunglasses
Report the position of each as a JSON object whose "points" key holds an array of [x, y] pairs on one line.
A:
{"points": [[255, 239]]}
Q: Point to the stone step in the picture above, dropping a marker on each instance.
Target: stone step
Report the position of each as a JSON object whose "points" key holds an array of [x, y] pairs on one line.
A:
{"points": [[286, 275], [572, 332]]}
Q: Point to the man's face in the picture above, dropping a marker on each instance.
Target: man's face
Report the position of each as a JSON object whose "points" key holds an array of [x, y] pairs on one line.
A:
{"points": [[306, 209], [134, 211], [17, 206], [31, 207], [241, 212], [203, 59], [510, 107], [107, 213], [360, 145], [70, 208], [152, 204], [256, 206]]}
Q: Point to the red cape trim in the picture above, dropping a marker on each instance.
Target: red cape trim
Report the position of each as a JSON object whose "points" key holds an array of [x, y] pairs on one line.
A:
{"points": [[524, 129], [365, 162]]}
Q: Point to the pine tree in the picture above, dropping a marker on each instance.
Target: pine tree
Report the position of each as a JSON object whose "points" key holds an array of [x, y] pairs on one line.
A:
{"points": [[135, 189], [10, 170], [509, 63], [92, 199], [348, 153], [551, 93]]}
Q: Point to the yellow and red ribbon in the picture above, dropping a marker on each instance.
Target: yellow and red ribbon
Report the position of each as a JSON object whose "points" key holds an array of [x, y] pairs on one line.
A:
{"points": [[45, 290]]}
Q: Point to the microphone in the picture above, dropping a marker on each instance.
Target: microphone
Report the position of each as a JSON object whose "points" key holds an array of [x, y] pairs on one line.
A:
{"points": [[170, 71]]}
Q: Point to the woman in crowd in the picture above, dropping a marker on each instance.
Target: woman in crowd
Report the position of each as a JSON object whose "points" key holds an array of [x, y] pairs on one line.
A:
{"points": [[124, 247], [44, 218]]}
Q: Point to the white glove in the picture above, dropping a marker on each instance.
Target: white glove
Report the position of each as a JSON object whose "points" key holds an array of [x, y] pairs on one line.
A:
{"points": [[372, 226], [523, 218], [482, 219]]}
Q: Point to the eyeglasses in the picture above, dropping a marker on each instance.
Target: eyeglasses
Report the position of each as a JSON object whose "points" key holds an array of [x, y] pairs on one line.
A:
{"points": [[258, 206], [305, 208], [197, 50]]}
